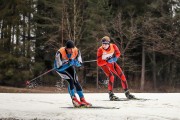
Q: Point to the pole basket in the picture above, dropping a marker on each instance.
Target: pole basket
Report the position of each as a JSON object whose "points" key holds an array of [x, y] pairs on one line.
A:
{"points": [[31, 85]]}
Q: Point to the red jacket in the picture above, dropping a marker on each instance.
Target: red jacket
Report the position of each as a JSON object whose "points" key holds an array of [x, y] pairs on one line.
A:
{"points": [[103, 55]]}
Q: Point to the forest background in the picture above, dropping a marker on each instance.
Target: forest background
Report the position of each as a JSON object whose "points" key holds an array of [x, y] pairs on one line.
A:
{"points": [[146, 32]]}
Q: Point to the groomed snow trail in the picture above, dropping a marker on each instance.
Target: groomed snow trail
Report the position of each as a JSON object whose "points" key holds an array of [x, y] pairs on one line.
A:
{"points": [[161, 106]]}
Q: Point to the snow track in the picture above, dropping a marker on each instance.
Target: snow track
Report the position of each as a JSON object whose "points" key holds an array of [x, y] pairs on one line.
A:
{"points": [[161, 106]]}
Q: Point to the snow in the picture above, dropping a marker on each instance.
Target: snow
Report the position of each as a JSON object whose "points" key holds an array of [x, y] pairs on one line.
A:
{"points": [[161, 106]]}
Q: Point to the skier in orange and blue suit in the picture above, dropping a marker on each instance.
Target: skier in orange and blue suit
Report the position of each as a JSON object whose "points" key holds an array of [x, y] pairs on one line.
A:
{"points": [[66, 59], [107, 55]]}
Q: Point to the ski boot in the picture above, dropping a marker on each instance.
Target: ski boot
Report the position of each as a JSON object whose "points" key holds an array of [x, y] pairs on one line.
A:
{"points": [[128, 95], [112, 97], [76, 102], [86, 104]]}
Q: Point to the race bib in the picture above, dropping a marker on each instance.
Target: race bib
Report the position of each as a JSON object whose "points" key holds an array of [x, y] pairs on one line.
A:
{"points": [[106, 56]]}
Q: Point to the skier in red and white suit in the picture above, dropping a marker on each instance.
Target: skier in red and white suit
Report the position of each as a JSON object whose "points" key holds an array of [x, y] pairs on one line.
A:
{"points": [[107, 56]]}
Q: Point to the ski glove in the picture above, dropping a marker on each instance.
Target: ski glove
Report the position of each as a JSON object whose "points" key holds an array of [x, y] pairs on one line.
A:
{"points": [[74, 62], [111, 60], [77, 63], [71, 62]]}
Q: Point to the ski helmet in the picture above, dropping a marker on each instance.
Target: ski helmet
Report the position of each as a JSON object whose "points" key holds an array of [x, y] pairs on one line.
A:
{"points": [[105, 40], [69, 44]]}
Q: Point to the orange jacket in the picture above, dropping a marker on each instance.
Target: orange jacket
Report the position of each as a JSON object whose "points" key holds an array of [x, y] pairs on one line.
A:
{"points": [[103, 55], [61, 56], [64, 55]]}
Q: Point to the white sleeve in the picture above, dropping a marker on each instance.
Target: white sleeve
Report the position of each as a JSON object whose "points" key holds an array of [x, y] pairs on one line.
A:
{"points": [[79, 57], [58, 59]]}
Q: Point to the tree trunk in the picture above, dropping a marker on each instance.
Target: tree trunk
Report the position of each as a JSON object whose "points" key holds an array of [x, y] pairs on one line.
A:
{"points": [[17, 36], [74, 27], [12, 41], [143, 68], [24, 34], [62, 25], [172, 74], [1, 25], [97, 78], [154, 70], [29, 32], [2, 33], [9, 38]]}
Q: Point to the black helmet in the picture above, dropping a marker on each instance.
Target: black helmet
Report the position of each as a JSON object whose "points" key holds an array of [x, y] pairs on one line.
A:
{"points": [[69, 44]]}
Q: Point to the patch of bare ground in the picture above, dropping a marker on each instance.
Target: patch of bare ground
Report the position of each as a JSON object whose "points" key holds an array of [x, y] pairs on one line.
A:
{"points": [[86, 89]]}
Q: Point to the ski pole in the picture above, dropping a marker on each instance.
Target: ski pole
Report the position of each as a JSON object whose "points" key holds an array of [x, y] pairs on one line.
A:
{"points": [[28, 82], [89, 61]]}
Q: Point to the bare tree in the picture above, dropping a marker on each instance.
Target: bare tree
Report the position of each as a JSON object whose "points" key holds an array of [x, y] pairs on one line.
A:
{"points": [[74, 20], [143, 68], [126, 35], [161, 36]]}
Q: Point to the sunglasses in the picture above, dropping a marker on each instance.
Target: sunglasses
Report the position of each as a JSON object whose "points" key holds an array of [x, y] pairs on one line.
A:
{"points": [[105, 43]]}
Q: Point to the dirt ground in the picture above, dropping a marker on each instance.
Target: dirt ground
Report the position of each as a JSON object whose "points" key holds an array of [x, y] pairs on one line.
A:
{"points": [[86, 89], [40, 89]]}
